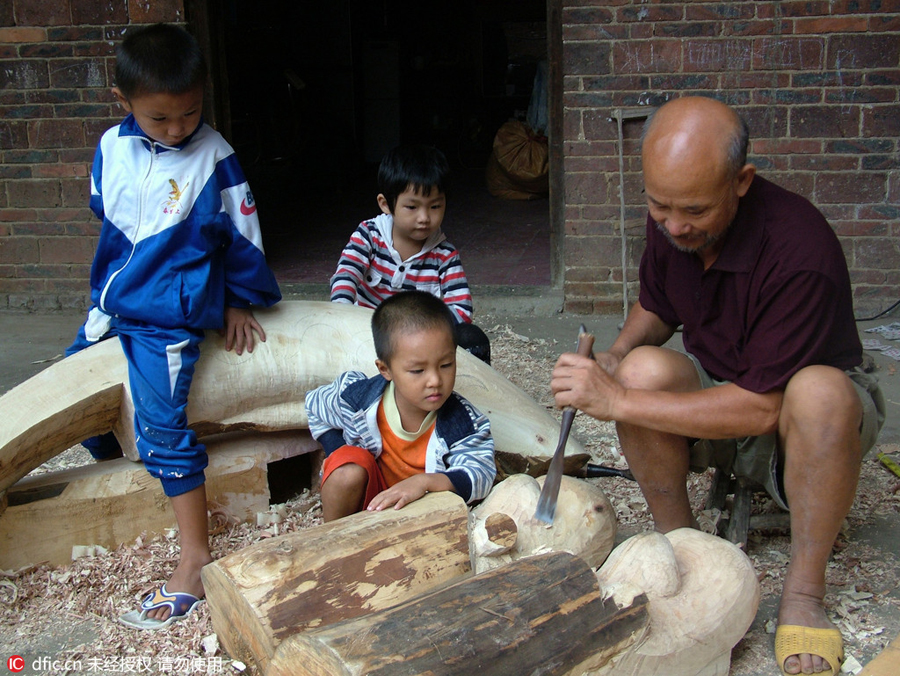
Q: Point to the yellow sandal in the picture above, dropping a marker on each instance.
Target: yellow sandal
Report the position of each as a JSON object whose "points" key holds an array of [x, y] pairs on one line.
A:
{"points": [[792, 639]]}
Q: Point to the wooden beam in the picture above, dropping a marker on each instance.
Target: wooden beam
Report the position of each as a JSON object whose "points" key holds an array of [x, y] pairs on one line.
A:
{"points": [[360, 564], [538, 615], [309, 343], [113, 502]]}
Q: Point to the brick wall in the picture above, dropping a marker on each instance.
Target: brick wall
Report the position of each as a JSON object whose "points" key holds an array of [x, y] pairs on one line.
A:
{"points": [[56, 70], [818, 82]]}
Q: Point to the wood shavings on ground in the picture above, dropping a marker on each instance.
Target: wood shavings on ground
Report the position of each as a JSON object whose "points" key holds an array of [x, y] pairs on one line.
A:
{"points": [[69, 613]]}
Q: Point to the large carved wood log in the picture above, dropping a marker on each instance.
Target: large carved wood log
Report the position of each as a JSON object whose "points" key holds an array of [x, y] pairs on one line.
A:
{"points": [[703, 597], [538, 615], [113, 502], [262, 594], [584, 525], [886, 663], [308, 343]]}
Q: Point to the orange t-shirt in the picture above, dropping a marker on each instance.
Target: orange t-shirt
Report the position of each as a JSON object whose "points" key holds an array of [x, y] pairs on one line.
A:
{"points": [[403, 453]]}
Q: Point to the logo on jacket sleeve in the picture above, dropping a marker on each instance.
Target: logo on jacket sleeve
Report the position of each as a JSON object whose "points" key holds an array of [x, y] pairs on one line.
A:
{"points": [[248, 205], [172, 204]]}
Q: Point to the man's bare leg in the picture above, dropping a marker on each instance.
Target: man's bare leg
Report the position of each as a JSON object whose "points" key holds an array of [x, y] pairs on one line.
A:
{"points": [[659, 461], [819, 428]]}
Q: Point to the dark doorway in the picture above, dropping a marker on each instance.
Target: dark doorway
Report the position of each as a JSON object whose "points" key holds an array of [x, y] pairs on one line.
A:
{"points": [[318, 91]]}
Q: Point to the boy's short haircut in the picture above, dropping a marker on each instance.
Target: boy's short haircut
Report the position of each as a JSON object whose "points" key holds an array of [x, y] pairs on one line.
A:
{"points": [[159, 59], [424, 168], [408, 311]]}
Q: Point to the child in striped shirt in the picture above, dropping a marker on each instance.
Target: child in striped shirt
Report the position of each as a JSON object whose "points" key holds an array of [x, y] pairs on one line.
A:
{"points": [[403, 248]]}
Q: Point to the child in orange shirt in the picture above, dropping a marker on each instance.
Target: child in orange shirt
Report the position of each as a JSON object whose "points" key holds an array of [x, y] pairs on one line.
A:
{"points": [[392, 438]]}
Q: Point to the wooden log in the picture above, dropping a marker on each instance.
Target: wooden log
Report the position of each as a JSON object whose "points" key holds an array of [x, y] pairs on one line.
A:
{"points": [[309, 343], [538, 615], [113, 502], [366, 562], [886, 663], [585, 523], [703, 596]]}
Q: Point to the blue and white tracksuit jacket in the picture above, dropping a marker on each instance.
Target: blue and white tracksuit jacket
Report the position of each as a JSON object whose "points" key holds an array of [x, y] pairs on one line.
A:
{"points": [[461, 446], [180, 242]]}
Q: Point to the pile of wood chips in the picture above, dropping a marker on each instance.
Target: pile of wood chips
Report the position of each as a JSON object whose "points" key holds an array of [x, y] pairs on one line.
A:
{"points": [[69, 613]]}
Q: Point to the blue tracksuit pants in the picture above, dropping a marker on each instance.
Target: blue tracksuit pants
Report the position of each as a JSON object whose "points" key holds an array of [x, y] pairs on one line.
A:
{"points": [[160, 368]]}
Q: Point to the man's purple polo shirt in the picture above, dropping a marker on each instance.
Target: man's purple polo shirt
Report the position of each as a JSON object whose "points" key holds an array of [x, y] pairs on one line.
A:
{"points": [[776, 299]]}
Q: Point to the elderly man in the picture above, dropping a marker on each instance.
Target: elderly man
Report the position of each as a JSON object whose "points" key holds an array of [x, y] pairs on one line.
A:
{"points": [[770, 384]]}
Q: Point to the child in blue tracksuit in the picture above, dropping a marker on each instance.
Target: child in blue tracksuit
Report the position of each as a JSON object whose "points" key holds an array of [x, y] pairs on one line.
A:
{"points": [[179, 252]]}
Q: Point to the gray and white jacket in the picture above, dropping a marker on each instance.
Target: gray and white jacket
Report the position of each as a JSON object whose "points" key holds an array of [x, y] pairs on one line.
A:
{"points": [[461, 446]]}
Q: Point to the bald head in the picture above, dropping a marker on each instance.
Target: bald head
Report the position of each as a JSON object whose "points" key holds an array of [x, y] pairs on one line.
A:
{"points": [[695, 133]]}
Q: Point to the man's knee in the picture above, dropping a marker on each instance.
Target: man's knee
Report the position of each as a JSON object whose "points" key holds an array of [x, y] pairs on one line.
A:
{"points": [[822, 394], [657, 368]]}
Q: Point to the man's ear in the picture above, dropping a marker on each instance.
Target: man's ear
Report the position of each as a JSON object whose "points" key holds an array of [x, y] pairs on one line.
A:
{"points": [[383, 369], [383, 204], [120, 97], [744, 179]]}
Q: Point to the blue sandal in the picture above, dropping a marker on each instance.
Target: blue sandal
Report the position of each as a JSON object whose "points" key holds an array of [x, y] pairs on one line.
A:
{"points": [[181, 604]]}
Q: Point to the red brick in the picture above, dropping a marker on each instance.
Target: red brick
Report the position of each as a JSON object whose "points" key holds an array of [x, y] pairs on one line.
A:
{"points": [[779, 146], [95, 12], [13, 134], [75, 193], [824, 121], [22, 35], [586, 189], [658, 56], [750, 28], [822, 25], [23, 289], [854, 188], [55, 250], [881, 121], [34, 193], [586, 58], [38, 229], [15, 250], [863, 52], [24, 75], [66, 73], [648, 13], [56, 133], [7, 14], [803, 8], [42, 12], [60, 170], [876, 253], [17, 215], [158, 10], [824, 163], [789, 53]]}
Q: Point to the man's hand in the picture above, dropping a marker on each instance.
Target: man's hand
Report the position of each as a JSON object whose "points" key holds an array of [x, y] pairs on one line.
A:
{"points": [[239, 327], [586, 384], [409, 490]]}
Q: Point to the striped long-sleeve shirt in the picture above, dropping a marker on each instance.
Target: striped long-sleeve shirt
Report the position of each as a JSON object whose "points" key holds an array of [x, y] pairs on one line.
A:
{"points": [[370, 270]]}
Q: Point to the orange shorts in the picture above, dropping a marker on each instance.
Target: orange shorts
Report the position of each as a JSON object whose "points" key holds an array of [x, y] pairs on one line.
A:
{"points": [[354, 455]]}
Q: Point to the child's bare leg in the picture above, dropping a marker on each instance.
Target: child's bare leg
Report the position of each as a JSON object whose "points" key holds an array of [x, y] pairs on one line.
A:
{"points": [[190, 512], [343, 491]]}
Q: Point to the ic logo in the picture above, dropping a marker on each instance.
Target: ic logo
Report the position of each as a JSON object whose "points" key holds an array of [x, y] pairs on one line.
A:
{"points": [[15, 663]]}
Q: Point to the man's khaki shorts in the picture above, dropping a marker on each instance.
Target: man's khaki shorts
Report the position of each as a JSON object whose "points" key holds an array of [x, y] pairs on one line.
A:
{"points": [[756, 458]]}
